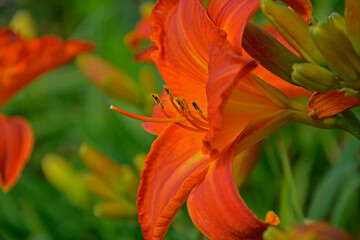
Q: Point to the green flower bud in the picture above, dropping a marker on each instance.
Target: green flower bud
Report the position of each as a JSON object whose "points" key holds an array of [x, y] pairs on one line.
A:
{"points": [[314, 77], [337, 21], [294, 29], [338, 52]]}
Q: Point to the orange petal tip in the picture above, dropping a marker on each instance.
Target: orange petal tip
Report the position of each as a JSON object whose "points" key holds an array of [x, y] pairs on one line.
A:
{"points": [[272, 218]]}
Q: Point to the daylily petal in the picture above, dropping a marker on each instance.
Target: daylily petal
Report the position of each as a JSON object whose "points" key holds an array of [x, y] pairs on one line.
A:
{"points": [[173, 167], [182, 33], [217, 209], [330, 104], [245, 162], [141, 33], [232, 15], [262, 127], [234, 98], [23, 60], [16, 143], [144, 55]]}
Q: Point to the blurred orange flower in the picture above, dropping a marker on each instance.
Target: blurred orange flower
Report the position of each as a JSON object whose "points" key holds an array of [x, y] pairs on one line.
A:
{"points": [[16, 143], [21, 61]]}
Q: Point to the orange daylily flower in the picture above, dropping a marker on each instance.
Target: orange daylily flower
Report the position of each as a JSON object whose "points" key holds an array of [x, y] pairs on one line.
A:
{"points": [[193, 156], [21, 61], [16, 143]]}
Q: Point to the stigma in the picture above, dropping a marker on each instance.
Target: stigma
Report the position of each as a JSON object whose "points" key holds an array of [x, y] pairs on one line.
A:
{"points": [[184, 117]]}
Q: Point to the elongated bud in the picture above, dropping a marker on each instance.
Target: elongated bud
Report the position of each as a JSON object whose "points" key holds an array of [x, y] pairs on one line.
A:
{"points": [[269, 52], [23, 22], [120, 178], [314, 78], [352, 13], [123, 209], [63, 177], [98, 187], [294, 29], [338, 52], [109, 79], [337, 21]]}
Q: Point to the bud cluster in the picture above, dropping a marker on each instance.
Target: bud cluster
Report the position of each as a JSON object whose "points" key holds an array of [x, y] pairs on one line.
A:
{"points": [[330, 51]]}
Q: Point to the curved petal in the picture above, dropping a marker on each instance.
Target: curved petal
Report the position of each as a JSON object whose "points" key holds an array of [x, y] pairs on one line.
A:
{"points": [[217, 209], [232, 16], [262, 127], [182, 33], [330, 104], [144, 55], [173, 167], [21, 61], [234, 98], [16, 143]]}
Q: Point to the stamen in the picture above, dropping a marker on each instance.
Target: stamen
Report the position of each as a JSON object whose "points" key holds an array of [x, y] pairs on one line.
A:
{"points": [[157, 100], [198, 110], [147, 119], [167, 90], [183, 104], [171, 98], [186, 113]]}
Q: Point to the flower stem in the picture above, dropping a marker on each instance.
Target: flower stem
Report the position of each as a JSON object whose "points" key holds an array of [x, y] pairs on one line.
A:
{"points": [[350, 124], [279, 148]]}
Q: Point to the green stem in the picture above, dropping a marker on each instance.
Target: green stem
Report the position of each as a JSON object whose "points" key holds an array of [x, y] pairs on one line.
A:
{"points": [[285, 162], [350, 115], [351, 126]]}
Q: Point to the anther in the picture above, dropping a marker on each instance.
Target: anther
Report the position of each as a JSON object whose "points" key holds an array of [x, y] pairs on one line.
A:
{"points": [[157, 100], [167, 90], [198, 110], [196, 107], [183, 104]]}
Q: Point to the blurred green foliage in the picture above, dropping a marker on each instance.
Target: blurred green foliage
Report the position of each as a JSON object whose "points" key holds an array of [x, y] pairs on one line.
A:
{"points": [[65, 111]]}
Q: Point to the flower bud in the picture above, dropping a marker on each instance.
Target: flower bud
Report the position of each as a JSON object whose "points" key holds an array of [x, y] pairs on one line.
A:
{"points": [[120, 178], [63, 177], [23, 22], [314, 78], [294, 29], [269, 52], [123, 209], [109, 79], [338, 52], [337, 21], [352, 11]]}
